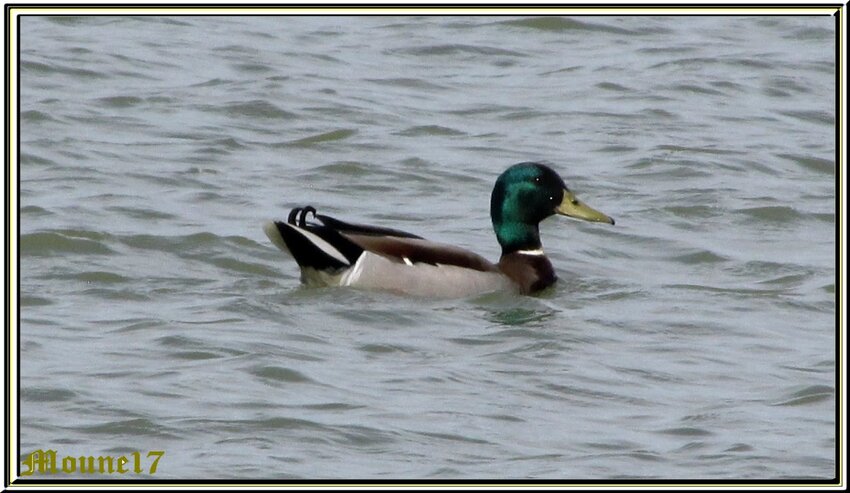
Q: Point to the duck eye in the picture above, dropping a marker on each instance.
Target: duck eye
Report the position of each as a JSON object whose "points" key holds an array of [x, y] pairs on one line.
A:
{"points": [[536, 179], [575, 202]]}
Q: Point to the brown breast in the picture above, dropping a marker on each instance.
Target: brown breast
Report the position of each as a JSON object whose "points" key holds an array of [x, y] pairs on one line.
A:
{"points": [[530, 272]]}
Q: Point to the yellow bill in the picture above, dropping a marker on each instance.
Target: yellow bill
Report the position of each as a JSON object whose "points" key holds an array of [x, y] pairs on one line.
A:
{"points": [[573, 207]]}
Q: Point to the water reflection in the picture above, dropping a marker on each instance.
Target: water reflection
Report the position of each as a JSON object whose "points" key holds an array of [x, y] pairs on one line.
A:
{"points": [[513, 310]]}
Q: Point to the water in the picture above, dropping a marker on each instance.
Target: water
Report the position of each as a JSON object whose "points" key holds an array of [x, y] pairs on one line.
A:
{"points": [[694, 339]]}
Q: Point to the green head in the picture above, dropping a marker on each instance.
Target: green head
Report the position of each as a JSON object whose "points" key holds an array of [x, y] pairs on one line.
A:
{"points": [[524, 195]]}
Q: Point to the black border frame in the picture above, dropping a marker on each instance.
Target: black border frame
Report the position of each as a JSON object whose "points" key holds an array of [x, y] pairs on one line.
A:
{"points": [[840, 342]]}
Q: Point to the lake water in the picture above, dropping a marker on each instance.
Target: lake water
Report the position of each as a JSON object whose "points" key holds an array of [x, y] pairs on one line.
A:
{"points": [[696, 339]]}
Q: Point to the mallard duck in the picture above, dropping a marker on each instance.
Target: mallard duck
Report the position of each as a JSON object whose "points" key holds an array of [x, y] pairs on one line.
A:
{"points": [[335, 253]]}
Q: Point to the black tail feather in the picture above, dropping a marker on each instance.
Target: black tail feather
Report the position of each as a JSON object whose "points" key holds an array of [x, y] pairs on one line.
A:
{"points": [[338, 252], [306, 252]]}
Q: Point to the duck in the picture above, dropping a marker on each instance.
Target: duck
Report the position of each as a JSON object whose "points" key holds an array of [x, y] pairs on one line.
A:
{"points": [[331, 252]]}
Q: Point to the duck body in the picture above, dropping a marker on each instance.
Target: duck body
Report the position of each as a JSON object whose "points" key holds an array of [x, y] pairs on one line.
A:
{"points": [[331, 252], [383, 259]]}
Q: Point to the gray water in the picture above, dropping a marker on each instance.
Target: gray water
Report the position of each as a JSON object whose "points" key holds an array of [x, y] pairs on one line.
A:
{"points": [[695, 339]]}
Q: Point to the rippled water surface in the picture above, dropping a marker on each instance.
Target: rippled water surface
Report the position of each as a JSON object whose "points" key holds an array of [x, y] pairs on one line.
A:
{"points": [[694, 339]]}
